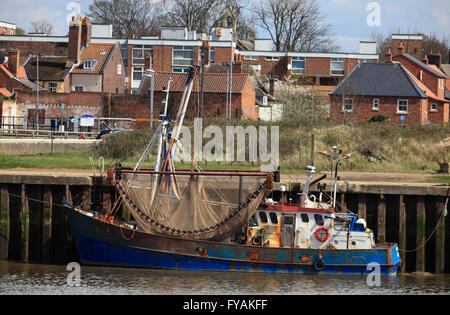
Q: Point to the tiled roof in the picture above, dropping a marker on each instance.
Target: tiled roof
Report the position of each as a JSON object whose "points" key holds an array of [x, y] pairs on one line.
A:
{"points": [[446, 69], [422, 86], [51, 68], [5, 92], [98, 52], [379, 80], [425, 66], [213, 83]]}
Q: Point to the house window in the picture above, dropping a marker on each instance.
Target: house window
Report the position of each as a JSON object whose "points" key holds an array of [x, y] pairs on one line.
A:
{"points": [[272, 58], [338, 66], [119, 69], [52, 87], [89, 64], [365, 61], [140, 52], [183, 56], [251, 58], [402, 106], [298, 65], [138, 73], [376, 104], [78, 88], [212, 55], [434, 107], [348, 105]]}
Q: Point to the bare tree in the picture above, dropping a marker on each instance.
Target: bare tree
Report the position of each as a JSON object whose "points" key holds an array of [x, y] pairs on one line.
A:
{"points": [[130, 18], [42, 27], [199, 15], [295, 25]]}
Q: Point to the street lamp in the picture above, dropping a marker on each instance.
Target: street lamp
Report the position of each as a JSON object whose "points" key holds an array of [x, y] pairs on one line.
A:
{"points": [[151, 75]]}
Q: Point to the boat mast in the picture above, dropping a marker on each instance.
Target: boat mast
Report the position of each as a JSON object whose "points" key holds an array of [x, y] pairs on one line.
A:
{"points": [[336, 151]]}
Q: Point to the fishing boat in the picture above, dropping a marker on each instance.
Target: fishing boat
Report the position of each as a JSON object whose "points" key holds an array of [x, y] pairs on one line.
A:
{"points": [[222, 220]]}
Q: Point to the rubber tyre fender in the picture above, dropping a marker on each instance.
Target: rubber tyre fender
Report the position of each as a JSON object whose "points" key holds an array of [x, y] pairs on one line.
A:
{"points": [[319, 264]]}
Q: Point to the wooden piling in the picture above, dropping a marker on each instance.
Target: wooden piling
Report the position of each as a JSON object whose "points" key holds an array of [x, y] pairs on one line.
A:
{"points": [[24, 225], [402, 232], [381, 220], [440, 236], [420, 235], [4, 222], [47, 224], [362, 208]]}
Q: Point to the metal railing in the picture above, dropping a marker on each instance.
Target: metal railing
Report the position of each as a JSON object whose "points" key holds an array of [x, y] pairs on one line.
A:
{"points": [[21, 126]]}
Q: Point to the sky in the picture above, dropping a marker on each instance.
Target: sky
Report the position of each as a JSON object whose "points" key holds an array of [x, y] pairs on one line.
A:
{"points": [[352, 20]]}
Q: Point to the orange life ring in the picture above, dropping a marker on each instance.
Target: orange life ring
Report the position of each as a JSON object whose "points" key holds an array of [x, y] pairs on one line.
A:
{"points": [[322, 234]]}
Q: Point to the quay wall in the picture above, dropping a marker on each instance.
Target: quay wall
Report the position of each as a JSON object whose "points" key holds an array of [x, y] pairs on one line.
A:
{"points": [[34, 226], [43, 146]]}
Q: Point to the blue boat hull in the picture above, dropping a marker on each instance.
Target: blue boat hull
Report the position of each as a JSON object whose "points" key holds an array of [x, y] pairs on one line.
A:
{"points": [[105, 244]]}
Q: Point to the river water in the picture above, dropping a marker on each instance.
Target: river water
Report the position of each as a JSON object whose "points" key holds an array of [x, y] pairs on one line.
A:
{"points": [[31, 279]]}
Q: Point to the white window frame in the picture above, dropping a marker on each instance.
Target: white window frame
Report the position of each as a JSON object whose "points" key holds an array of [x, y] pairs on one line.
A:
{"points": [[441, 84], [346, 103], [272, 58], [339, 71], [78, 88], [435, 109], [89, 65], [119, 69], [53, 88], [398, 106], [298, 70], [185, 62], [138, 70], [376, 104], [139, 52], [251, 58]]}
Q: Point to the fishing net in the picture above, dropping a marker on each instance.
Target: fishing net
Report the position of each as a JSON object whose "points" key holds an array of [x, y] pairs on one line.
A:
{"points": [[202, 207]]}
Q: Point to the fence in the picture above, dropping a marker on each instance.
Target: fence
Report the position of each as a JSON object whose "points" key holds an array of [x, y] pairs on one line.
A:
{"points": [[21, 126]]}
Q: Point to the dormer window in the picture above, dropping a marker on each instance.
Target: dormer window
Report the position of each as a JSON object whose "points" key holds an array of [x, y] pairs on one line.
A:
{"points": [[89, 64]]}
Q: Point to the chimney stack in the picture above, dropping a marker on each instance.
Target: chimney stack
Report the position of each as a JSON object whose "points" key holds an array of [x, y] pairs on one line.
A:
{"points": [[148, 62], [400, 49], [13, 61], [86, 32], [388, 57], [75, 39], [435, 59]]}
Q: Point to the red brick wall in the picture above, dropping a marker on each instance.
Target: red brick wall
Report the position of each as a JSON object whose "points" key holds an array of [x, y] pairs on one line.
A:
{"points": [[162, 58], [222, 54], [411, 47], [429, 79], [441, 115], [318, 66], [363, 110], [350, 64], [112, 82], [44, 48]]}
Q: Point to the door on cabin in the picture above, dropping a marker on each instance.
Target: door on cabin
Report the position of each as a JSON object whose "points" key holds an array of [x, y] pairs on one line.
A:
{"points": [[287, 230]]}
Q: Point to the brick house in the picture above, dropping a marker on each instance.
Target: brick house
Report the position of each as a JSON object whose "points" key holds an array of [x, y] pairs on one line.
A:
{"points": [[100, 69], [7, 29], [215, 94], [53, 72], [390, 90], [13, 77]]}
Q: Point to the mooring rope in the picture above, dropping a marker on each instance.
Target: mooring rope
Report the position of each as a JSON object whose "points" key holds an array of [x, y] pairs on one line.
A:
{"points": [[444, 213]]}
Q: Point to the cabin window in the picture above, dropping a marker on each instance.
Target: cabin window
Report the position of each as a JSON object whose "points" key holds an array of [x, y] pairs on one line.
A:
{"points": [[263, 217], [305, 217], [288, 220], [273, 217], [319, 219]]}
